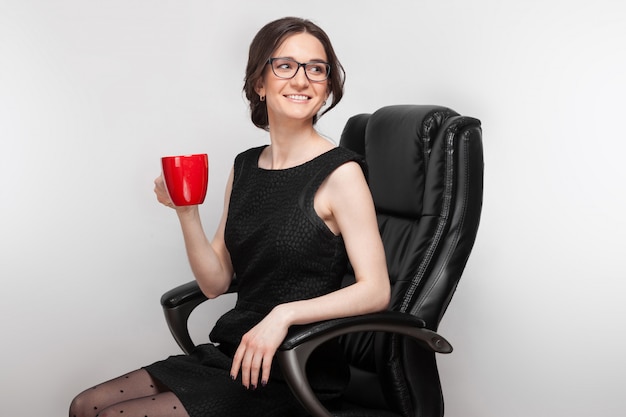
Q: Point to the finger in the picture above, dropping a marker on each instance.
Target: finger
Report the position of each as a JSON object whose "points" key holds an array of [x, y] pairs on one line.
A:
{"points": [[158, 184], [237, 358], [267, 367], [166, 202], [161, 193], [246, 366], [255, 370]]}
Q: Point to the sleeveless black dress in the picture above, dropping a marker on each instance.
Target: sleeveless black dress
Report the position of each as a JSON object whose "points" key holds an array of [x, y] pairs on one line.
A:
{"points": [[281, 251]]}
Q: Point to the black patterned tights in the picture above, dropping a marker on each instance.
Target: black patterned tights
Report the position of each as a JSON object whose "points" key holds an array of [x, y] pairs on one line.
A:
{"points": [[135, 394]]}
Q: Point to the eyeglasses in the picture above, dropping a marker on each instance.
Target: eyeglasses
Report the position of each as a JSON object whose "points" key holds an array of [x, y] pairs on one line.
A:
{"points": [[287, 68]]}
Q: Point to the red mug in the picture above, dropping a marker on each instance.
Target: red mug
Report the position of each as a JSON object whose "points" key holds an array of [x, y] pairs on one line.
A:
{"points": [[186, 178]]}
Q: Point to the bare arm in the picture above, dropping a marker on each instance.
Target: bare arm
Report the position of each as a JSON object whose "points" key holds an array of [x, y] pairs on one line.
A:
{"points": [[209, 261], [345, 203]]}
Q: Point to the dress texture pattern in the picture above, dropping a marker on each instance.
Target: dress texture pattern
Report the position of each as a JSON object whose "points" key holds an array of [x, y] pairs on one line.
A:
{"points": [[281, 251]]}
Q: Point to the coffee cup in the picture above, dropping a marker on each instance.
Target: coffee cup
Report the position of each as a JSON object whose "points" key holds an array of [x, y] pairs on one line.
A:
{"points": [[186, 178]]}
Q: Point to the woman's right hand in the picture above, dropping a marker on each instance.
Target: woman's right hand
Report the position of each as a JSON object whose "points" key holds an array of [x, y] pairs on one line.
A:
{"points": [[161, 192], [164, 198]]}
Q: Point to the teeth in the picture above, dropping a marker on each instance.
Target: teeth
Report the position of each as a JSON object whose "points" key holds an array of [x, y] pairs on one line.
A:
{"points": [[298, 97]]}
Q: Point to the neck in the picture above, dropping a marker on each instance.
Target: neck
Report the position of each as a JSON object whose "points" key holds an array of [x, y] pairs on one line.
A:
{"points": [[291, 146]]}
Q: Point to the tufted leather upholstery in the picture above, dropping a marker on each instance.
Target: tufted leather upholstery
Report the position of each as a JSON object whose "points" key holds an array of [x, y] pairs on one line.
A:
{"points": [[425, 173], [426, 176]]}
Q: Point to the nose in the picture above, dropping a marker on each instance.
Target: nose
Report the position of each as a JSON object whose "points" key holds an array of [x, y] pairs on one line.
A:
{"points": [[300, 78]]}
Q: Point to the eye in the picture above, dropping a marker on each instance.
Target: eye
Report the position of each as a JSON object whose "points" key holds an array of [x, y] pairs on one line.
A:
{"points": [[283, 64], [317, 69]]}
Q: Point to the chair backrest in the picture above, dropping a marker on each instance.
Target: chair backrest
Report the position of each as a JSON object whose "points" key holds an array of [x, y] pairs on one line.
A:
{"points": [[426, 177]]}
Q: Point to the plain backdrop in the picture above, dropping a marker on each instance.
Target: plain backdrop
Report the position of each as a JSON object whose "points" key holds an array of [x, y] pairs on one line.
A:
{"points": [[93, 93]]}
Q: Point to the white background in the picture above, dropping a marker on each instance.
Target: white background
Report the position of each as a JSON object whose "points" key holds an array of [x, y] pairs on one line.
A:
{"points": [[92, 93]]}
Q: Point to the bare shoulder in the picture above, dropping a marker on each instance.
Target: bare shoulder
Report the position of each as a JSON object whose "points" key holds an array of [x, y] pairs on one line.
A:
{"points": [[346, 177], [343, 191], [346, 187]]}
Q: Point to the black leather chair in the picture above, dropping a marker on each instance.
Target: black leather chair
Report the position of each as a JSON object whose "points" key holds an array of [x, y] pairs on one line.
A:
{"points": [[426, 176]]}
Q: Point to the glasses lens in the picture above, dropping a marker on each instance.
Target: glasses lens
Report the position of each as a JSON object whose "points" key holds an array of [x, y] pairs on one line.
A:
{"points": [[284, 68], [287, 68], [317, 71]]}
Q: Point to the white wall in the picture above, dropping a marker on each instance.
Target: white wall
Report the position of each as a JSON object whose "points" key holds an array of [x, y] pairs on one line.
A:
{"points": [[92, 93]]}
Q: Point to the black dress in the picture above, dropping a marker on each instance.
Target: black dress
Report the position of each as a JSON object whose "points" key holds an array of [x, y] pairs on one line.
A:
{"points": [[281, 251]]}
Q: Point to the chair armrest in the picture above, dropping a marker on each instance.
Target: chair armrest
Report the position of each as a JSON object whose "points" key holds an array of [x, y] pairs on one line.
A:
{"points": [[301, 341], [183, 294], [178, 304]]}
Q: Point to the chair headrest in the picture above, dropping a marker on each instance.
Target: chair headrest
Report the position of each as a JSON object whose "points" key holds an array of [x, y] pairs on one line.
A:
{"points": [[397, 146]]}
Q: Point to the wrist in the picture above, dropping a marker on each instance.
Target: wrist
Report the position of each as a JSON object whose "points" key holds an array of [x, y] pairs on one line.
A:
{"points": [[285, 313], [186, 211]]}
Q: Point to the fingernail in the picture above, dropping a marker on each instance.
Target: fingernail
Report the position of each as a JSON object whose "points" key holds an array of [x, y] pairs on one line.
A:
{"points": [[253, 387], [263, 383], [233, 377]]}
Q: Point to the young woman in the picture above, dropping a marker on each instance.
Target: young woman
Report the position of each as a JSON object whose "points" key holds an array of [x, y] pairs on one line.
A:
{"points": [[294, 213]]}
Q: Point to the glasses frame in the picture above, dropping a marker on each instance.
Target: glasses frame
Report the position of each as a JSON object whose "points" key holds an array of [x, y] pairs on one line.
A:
{"points": [[300, 64]]}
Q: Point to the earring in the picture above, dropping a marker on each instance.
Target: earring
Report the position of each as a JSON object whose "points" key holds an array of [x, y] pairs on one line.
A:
{"points": [[262, 98]]}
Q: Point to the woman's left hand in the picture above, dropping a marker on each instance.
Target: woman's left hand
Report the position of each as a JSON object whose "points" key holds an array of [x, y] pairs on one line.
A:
{"points": [[257, 348]]}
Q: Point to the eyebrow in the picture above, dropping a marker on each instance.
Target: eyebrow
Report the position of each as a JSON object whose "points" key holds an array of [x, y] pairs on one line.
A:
{"points": [[316, 60]]}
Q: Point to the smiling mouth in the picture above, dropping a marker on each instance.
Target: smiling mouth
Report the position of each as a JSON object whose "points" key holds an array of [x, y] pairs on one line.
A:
{"points": [[298, 97]]}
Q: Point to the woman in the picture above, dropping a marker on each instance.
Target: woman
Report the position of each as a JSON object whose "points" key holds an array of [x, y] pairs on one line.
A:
{"points": [[294, 213]]}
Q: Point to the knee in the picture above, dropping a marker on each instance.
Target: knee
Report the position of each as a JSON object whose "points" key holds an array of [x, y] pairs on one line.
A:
{"points": [[78, 407], [83, 405]]}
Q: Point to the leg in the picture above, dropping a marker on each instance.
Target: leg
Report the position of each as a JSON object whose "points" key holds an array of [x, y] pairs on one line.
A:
{"points": [[165, 404], [135, 385]]}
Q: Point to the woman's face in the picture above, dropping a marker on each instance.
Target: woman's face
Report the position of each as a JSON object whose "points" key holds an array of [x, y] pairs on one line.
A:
{"points": [[297, 98]]}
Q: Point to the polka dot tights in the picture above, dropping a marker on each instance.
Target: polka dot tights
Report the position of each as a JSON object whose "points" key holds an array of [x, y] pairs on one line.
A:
{"points": [[136, 394]]}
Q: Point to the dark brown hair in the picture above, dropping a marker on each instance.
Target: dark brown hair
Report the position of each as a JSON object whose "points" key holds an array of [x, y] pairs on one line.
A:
{"points": [[265, 42]]}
